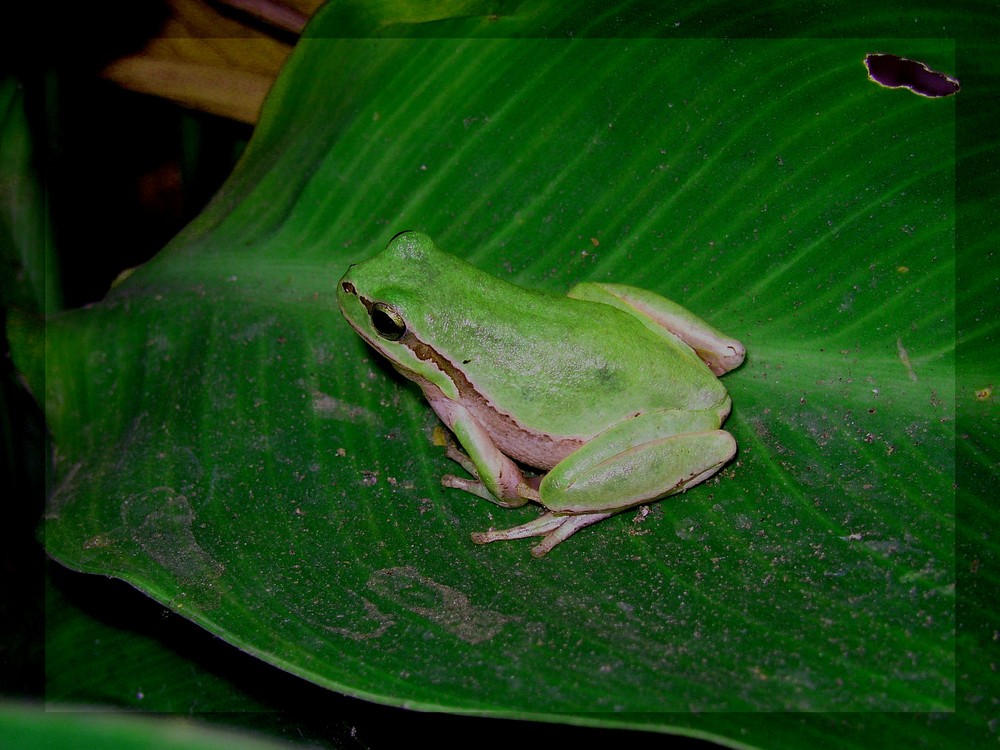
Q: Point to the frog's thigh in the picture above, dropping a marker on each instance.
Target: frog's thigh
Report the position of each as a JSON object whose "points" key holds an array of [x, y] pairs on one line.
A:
{"points": [[638, 461], [719, 351]]}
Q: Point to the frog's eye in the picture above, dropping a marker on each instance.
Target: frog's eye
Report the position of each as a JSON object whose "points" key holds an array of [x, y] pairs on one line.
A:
{"points": [[388, 323]]}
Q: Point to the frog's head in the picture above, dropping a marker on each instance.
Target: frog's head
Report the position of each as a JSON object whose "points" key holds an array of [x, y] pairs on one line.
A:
{"points": [[389, 300]]}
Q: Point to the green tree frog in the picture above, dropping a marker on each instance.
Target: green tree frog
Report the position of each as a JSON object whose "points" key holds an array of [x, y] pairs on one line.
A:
{"points": [[610, 393]]}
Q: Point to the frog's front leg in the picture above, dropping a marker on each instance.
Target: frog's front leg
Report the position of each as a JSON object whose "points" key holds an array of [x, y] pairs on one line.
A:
{"points": [[497, 478], [633, 462], [720, 352]]}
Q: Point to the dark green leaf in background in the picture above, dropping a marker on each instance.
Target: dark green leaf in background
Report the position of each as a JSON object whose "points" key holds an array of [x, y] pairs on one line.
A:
{"points": [[26, 727], [29, 279], [226, 444]]}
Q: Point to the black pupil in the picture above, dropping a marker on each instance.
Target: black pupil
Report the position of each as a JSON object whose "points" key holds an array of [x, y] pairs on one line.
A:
{"points": [[386, 325]]}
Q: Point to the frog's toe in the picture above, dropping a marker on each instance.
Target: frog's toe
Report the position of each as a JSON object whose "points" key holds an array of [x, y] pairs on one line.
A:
{"points": [[569, 526], [541, 526], [453, 452], [472, 486], [555, 527]]}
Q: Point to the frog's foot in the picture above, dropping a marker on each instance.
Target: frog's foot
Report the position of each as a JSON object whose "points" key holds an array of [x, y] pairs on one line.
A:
{"points": [[525, 491], [555, 527]]}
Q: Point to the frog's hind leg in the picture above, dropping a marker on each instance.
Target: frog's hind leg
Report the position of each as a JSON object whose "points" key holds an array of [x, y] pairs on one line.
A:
{"points": [[720, 352], [555, 527]]}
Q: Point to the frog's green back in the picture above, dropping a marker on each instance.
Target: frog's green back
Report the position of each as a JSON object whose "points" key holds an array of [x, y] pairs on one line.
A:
{"points": [[559, 365]]}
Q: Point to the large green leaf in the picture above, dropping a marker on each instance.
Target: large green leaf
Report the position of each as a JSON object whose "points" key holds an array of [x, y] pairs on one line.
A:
{"points": [[226, 444]]}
